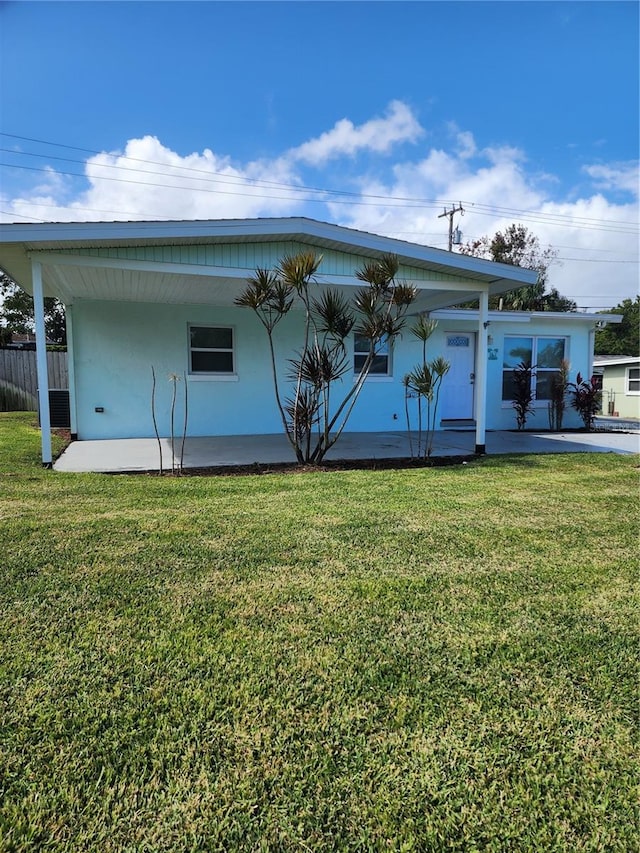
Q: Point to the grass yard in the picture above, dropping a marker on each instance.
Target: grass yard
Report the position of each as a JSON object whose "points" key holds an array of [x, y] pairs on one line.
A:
{"points": [[414, 660]]}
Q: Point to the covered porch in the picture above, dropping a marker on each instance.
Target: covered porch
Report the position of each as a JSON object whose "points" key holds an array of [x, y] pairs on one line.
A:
{"points": [[203, 266], [143, 454]]}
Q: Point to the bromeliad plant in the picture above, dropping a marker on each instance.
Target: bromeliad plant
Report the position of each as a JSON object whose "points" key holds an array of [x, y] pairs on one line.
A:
{"points": [[423, 383], [586, 399], [311, 417]]}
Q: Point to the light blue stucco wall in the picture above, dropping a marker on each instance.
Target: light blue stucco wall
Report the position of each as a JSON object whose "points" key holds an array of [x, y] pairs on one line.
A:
{"points": [[500, 414], [577, 353], [116, 344]]}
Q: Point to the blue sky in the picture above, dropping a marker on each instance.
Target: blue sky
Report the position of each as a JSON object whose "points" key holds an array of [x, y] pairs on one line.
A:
{"points": [[380, 113]]}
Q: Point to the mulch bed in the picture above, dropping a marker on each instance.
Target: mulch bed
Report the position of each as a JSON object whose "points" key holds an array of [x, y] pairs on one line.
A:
{"points": [[331, 465]]}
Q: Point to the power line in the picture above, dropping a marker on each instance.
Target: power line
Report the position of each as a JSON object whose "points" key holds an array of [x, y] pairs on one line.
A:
{"points": [[247, 183], [415, 203], [74, 207], [361, 199], [596, 260], [22, 216], [222, 177], [206, 172]]}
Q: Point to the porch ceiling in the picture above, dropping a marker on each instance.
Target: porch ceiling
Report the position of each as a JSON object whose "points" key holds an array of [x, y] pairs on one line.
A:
{"points": [[72, 283], [131, 285]]}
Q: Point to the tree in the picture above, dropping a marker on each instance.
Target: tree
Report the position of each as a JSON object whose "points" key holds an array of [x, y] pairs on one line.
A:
{"points": [[16, 312], [518, 247], [623, 338], [312, 419]]}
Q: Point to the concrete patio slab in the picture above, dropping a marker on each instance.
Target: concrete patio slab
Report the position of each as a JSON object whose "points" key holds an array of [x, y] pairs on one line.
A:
{"points": [[142, 454]]}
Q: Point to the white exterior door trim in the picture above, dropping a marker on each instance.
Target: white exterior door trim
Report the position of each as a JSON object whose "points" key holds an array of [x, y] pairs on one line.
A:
{"points": [[458, 389]]}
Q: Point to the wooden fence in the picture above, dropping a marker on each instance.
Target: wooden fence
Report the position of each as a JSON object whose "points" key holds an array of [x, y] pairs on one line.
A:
{"points": [[18, 370]]}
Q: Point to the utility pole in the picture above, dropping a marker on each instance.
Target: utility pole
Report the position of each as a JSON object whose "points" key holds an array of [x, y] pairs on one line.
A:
{"points": [[450, 213]]}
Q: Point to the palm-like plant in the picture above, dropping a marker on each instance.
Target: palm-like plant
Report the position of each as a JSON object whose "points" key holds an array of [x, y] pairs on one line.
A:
{"points": [[559, 386], [424, 383], [311, 420]]}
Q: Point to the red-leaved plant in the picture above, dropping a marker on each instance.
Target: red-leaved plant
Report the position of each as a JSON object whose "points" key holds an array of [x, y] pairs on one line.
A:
{"points": [[586, 399]]}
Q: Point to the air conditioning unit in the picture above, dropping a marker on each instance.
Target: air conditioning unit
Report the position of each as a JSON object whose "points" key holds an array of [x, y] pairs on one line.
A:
{"points": [[59, 411]]}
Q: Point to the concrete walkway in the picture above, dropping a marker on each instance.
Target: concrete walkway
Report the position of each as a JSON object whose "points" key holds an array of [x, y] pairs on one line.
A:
{"points": [[142, 454]]}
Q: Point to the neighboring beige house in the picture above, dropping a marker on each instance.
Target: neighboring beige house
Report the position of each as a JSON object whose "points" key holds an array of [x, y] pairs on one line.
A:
{"points": [[620, 384]]}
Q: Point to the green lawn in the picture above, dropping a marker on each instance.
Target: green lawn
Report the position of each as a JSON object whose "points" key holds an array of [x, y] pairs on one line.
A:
{"points": [[414, 660]]}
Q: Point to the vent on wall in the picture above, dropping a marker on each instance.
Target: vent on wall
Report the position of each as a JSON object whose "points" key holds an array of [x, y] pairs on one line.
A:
{"points": [[59, 411]]}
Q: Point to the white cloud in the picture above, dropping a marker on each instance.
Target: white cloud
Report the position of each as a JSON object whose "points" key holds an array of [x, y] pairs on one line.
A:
{"points": [[596, 238], [401, 199], [344, 138], [149, 179], [616, 176], [53, 182], [466, 145]]}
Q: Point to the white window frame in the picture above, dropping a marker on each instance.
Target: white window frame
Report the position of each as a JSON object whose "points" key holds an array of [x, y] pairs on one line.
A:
{"points": [[628, 379], [536, 403], [386, 351], [204, 375]]}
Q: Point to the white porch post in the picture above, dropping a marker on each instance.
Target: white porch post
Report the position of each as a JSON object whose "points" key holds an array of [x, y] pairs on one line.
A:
{"points": [[41, 363], [481, 373], [592, 347], [71, 372]]}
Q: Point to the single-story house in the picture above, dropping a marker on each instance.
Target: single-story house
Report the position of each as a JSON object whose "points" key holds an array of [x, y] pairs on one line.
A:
{"points": [[620, 384], [143, 295]]}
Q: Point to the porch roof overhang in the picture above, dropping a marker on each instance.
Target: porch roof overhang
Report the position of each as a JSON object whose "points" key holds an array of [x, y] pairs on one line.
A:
{"points": [[571, 317], [83, 261]]}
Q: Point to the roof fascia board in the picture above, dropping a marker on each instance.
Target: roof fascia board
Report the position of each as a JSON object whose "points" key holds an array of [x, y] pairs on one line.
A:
{"points": [[604, 362], [474, 316], [517, 316], [415, 252], [295, 227]]}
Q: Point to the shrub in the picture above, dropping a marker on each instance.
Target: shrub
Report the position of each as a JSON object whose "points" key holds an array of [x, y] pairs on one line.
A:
{"points": [[557, 403], [523, 395], [586, 399]]}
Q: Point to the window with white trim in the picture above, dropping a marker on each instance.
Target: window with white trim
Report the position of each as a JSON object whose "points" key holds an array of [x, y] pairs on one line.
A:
{"points": [[544, 353], [381, 365], [211, 350], [633, 380]]}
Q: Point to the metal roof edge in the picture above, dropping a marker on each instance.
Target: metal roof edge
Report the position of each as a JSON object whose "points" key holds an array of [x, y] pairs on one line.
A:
{"points": [[605, 360], [19, 232], [518, 316]]}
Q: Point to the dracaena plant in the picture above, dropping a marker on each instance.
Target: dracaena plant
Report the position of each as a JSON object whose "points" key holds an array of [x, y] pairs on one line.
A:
{"points": [[586, 399], [558, 392], [523, 392], [423, 384], [317, 403]]}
